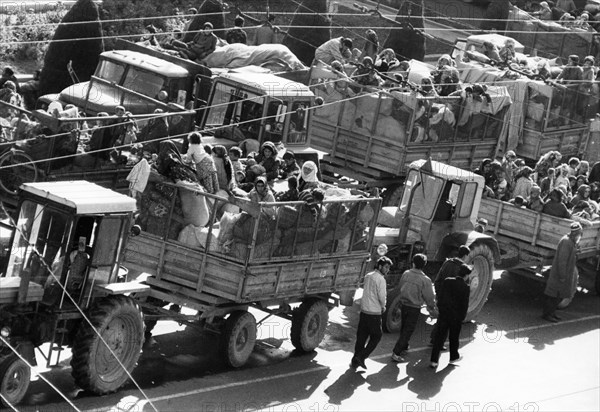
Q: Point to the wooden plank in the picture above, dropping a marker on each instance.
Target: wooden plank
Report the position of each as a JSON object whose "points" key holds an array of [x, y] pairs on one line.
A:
{"points": [[122, 288]]}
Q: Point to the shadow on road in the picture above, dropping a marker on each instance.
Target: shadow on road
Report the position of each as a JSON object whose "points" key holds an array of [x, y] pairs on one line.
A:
{"points": [[344, 387], [426, 382]]}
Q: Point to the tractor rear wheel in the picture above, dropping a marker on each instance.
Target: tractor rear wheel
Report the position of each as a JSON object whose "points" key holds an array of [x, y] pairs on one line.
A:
{"points": [[309, 322], [15, 377], [480, 280], [117, 329]]}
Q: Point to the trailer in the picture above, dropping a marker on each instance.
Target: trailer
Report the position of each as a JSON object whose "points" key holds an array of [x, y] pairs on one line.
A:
{"points": [[61, 281]]}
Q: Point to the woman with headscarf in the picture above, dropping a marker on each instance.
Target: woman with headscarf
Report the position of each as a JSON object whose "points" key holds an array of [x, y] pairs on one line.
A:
{"points": [[224, 167], [205, 167], [262, 193], [554, 206], [267, 158], [308, 176], [548, 160], [170, 164], [371, 46], [583, 194], [523, 184]]}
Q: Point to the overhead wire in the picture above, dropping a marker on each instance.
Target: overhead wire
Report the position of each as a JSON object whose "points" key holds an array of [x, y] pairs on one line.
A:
{"points": [[211, 129]]}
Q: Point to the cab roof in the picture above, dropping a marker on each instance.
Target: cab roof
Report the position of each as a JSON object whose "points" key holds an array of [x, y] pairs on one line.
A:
{"points": [[446, 171], [269, 84], [85, 197], [146, 62]]}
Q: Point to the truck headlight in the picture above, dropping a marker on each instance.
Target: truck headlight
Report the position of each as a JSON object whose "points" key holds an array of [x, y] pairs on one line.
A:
{"points": [[5, 331]]}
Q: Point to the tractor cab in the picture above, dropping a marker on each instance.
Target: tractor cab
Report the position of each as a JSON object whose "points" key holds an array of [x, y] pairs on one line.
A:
{"points": [[438, 199], [65, 233]]}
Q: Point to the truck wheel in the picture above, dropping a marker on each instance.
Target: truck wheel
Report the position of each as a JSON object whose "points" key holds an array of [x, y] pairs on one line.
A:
{"points": [[392, 317], [15, 377], [239, 338], [19, 169], [119, 320], [480, 279], [309, 322]]}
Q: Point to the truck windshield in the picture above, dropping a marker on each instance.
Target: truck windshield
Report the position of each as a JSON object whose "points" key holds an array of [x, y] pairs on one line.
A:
{"points": [[45, 229], [424, 200], [110, 71], [146, 83], [241, 107]]}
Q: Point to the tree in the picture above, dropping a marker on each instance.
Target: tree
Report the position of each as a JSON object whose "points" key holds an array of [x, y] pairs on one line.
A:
{"points": [[308, 30], [496, 15], [408, 40], [81, 22], [209, 11]]}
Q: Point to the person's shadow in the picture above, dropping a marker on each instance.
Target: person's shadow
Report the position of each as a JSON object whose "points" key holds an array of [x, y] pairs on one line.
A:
{"points": [[344, 386], [386, 378], [426, 382]]}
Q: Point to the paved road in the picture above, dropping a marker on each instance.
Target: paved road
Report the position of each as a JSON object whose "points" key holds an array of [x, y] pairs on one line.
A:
{"points": [[513, 361]]}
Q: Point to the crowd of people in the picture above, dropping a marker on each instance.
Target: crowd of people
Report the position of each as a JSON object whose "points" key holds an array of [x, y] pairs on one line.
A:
{"points": [[567, 188]]}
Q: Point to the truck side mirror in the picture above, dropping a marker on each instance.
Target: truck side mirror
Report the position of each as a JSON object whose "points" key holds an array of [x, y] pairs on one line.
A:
{"points": [[136, 230]]}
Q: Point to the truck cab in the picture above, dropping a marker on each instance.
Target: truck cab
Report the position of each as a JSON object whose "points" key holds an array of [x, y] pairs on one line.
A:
{"points": [[259, 106], [140, 79]]}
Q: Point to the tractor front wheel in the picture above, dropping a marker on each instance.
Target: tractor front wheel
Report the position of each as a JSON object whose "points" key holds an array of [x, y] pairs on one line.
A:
{"points": [[15, 376]]}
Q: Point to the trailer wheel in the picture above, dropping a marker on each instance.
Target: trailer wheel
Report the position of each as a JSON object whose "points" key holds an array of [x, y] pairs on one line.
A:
{"points": [[480, 279], [17, 168], [119, 320], [239, 338], [15, 376], [309, 322], [392, 317]]}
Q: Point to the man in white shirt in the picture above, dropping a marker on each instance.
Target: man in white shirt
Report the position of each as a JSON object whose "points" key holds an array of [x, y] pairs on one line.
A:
{"points": [[372, 307]]}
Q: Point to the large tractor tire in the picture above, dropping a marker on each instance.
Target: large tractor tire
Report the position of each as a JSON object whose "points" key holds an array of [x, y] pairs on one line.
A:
{"points": [[239, 338], [480, 280], [119, 320], [392, 317], [309, 322], [15, 376], [16, 167]]}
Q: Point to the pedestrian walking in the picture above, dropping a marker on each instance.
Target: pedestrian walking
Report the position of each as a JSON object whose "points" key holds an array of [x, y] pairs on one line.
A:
{"points": [[562, 281], [372, 306], [416, 289], [450, 268], [452, 303]]}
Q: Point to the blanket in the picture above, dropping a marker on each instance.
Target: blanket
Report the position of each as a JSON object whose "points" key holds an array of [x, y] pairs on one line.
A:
{"points": [[273, 56]]}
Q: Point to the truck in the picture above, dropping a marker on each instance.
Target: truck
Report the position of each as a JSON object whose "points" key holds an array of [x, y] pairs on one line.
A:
{"points": [[61, 281], [436, 215], [544, 115], [372, 137]]}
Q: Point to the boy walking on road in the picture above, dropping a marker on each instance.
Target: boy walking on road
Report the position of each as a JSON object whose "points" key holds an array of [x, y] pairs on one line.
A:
{"points": [[416, 289], [372, 306], [453, 302]]}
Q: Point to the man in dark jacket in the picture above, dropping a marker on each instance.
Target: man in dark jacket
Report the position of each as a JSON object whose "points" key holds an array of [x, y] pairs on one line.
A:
{"points": [[450, 269], [453, 303]]}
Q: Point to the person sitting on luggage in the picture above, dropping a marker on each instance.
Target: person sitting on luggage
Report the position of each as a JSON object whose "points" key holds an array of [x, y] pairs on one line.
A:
{"points": [[203, 44]]}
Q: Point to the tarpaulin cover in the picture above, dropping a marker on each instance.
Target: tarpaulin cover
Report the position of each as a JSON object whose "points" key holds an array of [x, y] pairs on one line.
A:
{"points": [[239, 55]]}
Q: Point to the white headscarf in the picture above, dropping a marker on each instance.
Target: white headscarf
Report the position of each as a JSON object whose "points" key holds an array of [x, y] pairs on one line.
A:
{"points": [[309, 171]]}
